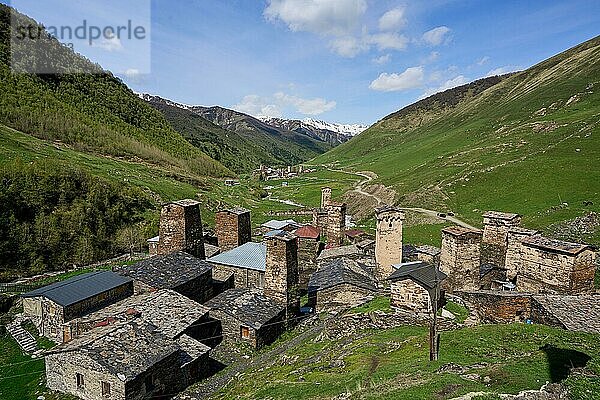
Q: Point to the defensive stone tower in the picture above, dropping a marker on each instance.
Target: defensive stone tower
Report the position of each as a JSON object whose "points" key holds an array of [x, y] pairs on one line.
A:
{"points": [[181, 228], [515, 251], [388, 240], [233, 228], [281, 272], [336, 223], [495, 236], [325, 196], [460, 258]]}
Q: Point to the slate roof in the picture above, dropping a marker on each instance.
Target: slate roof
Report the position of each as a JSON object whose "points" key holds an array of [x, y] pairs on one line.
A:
{"points": [[308, 232], [210, 250], [167, 271], [575, 313], [275, 224], [80, 287], [554, 245], [500, 215], [429, 250], [250, 255], [422, 273], [523, 231], [172, 313], [340, 271], [336, 252], [125, 350], [236, 210], [461, 230], [185, 202], [191, 349], [251, 307]]}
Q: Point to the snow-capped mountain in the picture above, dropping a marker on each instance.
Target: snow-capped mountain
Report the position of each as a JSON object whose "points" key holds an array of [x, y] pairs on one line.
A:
{"points": [[332, 133], [346, 129]]}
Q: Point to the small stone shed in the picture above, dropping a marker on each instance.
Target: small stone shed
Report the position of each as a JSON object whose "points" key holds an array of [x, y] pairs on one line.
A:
{"points": [[412, 284], [132, 360], [244, 316], [340, 283], [51, 306], [246, 264], [177, 271]]}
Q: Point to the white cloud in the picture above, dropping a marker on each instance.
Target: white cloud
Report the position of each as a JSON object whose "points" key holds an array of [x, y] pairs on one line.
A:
{"points": [[257, 106], [449, 84], [384, 59], [324, 17], [503, 70], [483, 60], [436, 36], [392, 20], [348, 46], [109, 44], [314, 106], [409, 79], [272, 106], [385, 41], [132, 73], [434, 55]]}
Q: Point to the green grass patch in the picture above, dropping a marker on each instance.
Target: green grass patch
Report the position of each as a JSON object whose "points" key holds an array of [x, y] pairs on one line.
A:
{"points": [[377, 304], [460, 312]]}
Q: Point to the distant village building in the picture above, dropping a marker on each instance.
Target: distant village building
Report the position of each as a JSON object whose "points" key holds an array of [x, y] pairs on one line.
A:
{"points": [[460, 258], [309, 247], [243, 266], [233, 228], [356, 235], [51, 306], [388, 240], [245, 316], [181, 228], [325, 196], [413, 284], [340, 283], [177, 271], [288, 225]]}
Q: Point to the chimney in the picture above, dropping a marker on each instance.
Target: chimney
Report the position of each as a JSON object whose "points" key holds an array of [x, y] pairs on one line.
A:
{"points": [[281, 272], [388, 240], [181, 228], [233, 228]]}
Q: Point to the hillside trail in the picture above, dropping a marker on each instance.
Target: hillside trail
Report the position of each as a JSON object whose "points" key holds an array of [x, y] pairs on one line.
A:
{"points": [[369, 176]]}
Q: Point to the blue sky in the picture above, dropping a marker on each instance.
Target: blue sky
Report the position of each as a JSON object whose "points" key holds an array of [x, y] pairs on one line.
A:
{"points": [[349, 61]]}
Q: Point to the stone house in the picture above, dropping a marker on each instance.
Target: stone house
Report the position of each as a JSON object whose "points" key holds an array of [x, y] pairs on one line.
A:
{"points": [[233, 228], [309, 248], [460, 258], [555, 267], [129, 361], [51, 306], [514, 250], [244, 316], [244, 266], [340, 283], [495, 236], [181, 228], [388, 240], [288, 225], [355, 236], [412, 286], [177, 271]]}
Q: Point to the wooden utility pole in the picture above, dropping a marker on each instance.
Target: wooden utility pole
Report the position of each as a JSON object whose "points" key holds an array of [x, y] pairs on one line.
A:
{"points": [[434, 338]]}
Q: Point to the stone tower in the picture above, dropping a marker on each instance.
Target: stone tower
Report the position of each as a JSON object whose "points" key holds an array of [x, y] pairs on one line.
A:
{"points": [[281, 272], [388, 240], [325, 196], [336, 223], [181, 228], [495, 236], [460, 258], [232, 227], [515, 251]]}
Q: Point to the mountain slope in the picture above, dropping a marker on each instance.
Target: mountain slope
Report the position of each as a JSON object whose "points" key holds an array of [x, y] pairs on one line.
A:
{"points": [[94, 112], [525, 143], [287, 147], [334, 134]]}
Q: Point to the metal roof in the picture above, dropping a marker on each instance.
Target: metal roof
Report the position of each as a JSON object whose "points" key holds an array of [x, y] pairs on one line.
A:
{"points": [[273, 233], [277, 224], [308, 232], [423, 273], [81, 287], [250, 255]]}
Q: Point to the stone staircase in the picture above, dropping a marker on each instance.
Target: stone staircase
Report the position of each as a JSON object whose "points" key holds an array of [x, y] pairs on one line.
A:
{"points": [[25, 340]]}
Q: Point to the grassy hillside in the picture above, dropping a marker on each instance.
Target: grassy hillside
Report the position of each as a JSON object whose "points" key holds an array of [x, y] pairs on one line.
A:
{"points": [[94, 112], [525, 143]]}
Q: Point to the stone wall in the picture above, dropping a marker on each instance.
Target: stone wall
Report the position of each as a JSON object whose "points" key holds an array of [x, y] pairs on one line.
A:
{"points": [[181, 229], [198, 289], [325, 196], [338, 297], [514, 251], [242, 277], [408, 295], [460, 258], [320, 220], [498, 307], [308, 250], [232, 228], [336, 223], [281, 272], [388, 241], [494, 241]]}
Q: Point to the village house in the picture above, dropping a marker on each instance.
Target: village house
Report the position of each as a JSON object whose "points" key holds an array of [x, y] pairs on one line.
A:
{"points": [[177, 271], [309, 247], [51, 306], [241, 267], [355, 236], [428, 254], [181, 228], [244, 316], [233, 228], [413, 285], [340, 283]]}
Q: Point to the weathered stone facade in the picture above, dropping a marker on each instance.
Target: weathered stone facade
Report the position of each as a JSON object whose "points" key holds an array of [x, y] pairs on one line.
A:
{"points": [[320, 220], [498, 307], [495, 236], [460, 258], [242, 277], [308, 250], [428, 254], [336, 223], [514, 250], [408, 295], [181, 228], [233, 228], [325, 196], [338, 297], [281, 272], [555, 267], [388, 240]]}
